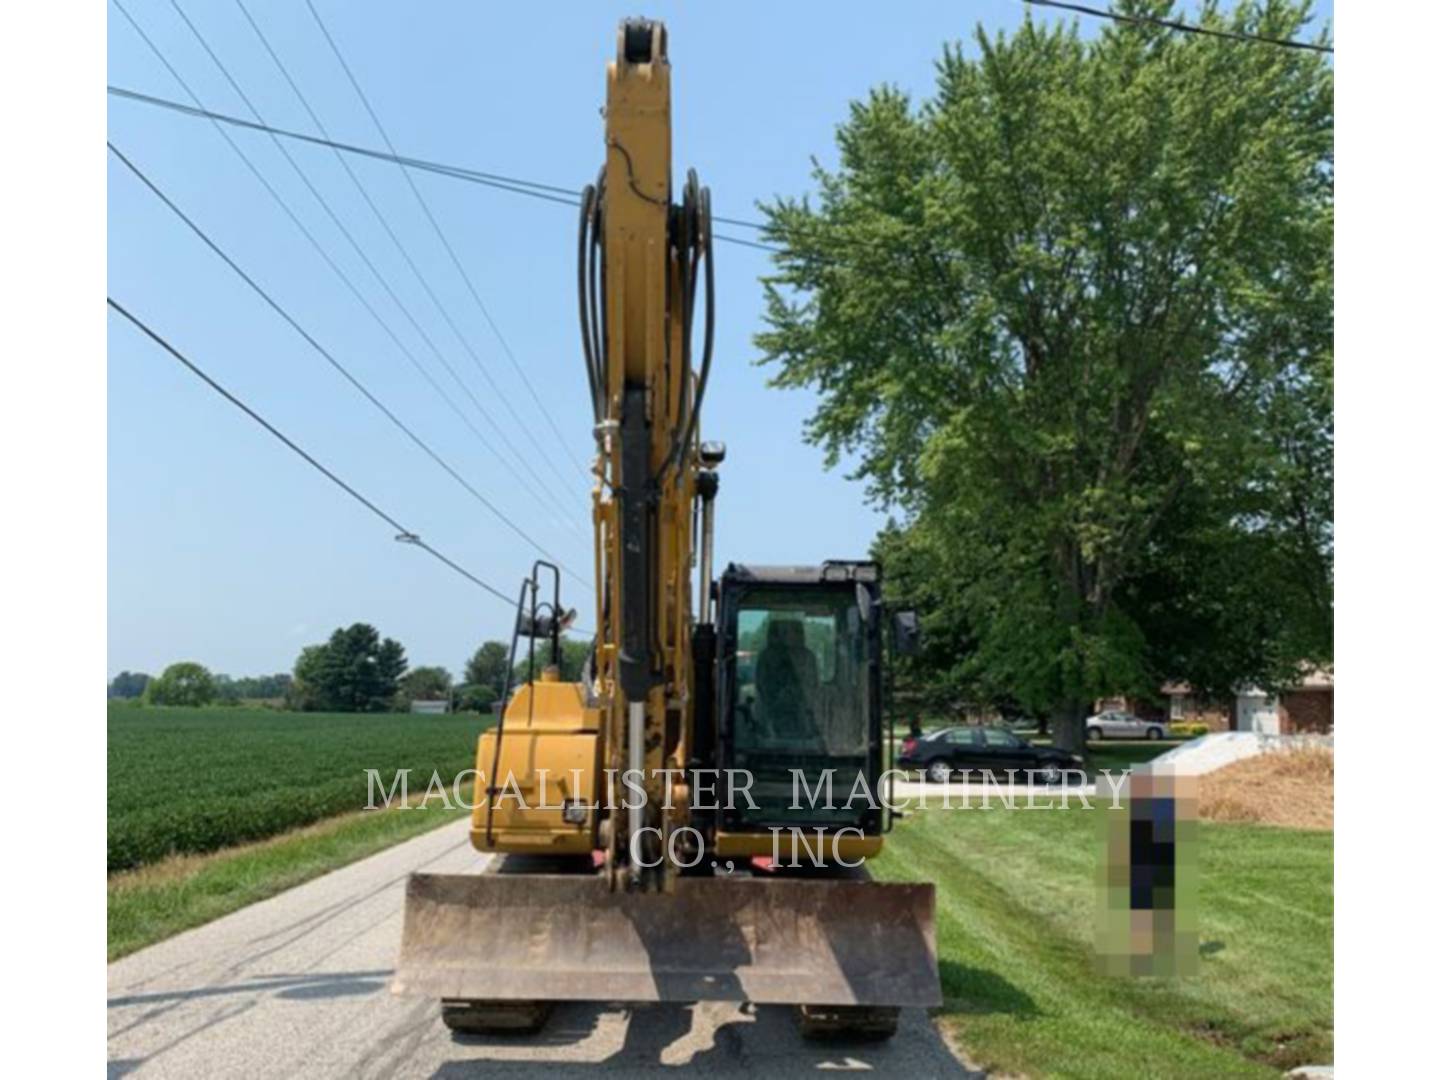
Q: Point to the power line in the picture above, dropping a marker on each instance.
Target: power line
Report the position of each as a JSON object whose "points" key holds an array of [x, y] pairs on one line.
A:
{"points": [[199, 110], [319, 248], [330, 358], [557, 502], [404, 535], [1182, 27], [404, 252], [440, 234], [545, 192], [515, 185], [563, 195]]}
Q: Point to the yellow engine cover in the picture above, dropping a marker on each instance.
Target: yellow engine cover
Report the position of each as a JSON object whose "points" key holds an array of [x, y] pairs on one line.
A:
{"points": [[546, 775]]}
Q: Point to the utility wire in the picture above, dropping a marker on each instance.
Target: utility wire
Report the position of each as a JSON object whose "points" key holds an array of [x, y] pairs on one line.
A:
{"points": [[557, 502], [516, 186], [199, 110], [513, 185], [330, 358], [445, 242], [1182, 27], [309, 236], [404, 252], [404, 535]]}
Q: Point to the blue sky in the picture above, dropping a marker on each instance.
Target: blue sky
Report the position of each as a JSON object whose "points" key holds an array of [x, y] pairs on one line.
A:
{"points": [[223, 546]]}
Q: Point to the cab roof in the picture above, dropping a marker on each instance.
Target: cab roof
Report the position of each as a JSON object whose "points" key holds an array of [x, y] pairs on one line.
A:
{"points": [[832, 571]]}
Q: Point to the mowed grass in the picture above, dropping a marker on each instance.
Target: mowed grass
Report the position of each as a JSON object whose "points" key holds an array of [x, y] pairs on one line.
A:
{"points": [[1015, 925], [185, 781], [1117, 756]]}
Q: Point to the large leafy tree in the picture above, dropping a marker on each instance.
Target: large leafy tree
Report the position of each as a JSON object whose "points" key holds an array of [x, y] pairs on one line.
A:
{"points": [[128, 684], [183, 683], [1072, 318], [355, 671], [573, 654], [426, 684], [486, 667]]}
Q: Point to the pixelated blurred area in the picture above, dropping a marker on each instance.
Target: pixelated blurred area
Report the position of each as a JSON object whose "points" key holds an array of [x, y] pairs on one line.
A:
{"points": [[1148, 918]]}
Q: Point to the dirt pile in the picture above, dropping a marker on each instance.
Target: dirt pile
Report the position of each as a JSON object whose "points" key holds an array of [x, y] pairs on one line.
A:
{"points": [[1294, 788]]}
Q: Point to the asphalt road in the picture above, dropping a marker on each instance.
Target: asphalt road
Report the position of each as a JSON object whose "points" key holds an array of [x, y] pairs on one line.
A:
{"points": [[299, 986]]}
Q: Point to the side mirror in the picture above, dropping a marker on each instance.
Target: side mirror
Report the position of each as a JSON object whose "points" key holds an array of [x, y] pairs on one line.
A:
{"points": [[905, 629]]}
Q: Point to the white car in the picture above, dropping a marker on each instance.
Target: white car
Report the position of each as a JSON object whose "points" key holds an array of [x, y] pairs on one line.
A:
{"points": [[1114, 724]]}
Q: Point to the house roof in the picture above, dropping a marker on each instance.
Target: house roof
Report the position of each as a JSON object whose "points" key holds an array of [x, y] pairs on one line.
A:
{"points": [[1313, 677]]}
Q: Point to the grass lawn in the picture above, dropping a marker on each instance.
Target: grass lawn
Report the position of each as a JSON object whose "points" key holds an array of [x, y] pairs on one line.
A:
{"points": [[157, 901], [1015, 926], [194, 780], [1118, 756]]}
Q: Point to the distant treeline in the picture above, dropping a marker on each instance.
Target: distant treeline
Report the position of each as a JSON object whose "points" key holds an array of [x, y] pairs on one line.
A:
{"points": [[226, 688], [355, 670]]}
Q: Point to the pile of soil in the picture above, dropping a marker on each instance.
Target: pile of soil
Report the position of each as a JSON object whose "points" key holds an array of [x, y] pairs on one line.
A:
{"points": [[1294, 788]]}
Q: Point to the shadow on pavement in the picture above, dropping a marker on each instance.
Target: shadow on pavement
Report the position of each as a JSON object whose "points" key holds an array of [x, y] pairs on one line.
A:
{"points": [[299, 987], [761, 1040]]}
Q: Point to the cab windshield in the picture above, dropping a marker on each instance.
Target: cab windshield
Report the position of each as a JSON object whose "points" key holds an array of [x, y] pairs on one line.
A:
{"points": [[801, 691], [801, 673]]}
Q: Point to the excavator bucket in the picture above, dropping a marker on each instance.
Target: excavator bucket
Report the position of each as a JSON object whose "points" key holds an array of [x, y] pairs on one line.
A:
{"points": [[526, 937]]}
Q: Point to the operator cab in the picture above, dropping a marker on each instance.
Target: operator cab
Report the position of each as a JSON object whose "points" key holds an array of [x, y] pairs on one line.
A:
{"points": [[800, 689]]}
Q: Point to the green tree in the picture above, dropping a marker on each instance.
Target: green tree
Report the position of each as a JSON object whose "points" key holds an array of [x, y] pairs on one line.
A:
{"points": [[426, 684], [128, 684], [477, 697], [252, 687], [355, 671], [183, 683], [1072, 319], [306, 691], [487, 666], [572, 660]]}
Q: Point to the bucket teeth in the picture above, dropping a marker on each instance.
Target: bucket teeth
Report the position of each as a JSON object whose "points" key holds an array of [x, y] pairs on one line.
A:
{"points": [[570, 938]]}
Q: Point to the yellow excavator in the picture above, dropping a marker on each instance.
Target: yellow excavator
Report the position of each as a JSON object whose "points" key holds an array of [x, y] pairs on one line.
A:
{"points": [[689, 821]]}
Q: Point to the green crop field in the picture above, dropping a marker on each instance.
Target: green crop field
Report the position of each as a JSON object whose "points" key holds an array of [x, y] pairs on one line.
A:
{"points": [[196, 780]]}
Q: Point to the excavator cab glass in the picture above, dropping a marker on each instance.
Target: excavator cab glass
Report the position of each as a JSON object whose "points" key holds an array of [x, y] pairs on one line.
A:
{"points": [[800, 695]]}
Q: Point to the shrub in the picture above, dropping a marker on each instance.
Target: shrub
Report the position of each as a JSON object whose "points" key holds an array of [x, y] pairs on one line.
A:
{"points": [[185, 683], [478, 698], [1188, 729]]}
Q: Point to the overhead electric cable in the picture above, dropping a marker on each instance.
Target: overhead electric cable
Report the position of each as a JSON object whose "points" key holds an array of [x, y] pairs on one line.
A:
{"points": [[444, 240], [329, 357], [557, 502], [529, 188], [440, 306], [1182, 27], [200, 110], [403, 534]]}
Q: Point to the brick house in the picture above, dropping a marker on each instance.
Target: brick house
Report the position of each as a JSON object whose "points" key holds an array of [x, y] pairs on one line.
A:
{"points": [[1310, 707], [1307, 707]]}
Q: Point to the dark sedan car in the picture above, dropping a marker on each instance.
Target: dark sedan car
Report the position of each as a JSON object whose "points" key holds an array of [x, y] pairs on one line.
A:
{"points": [[949, 750]]}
